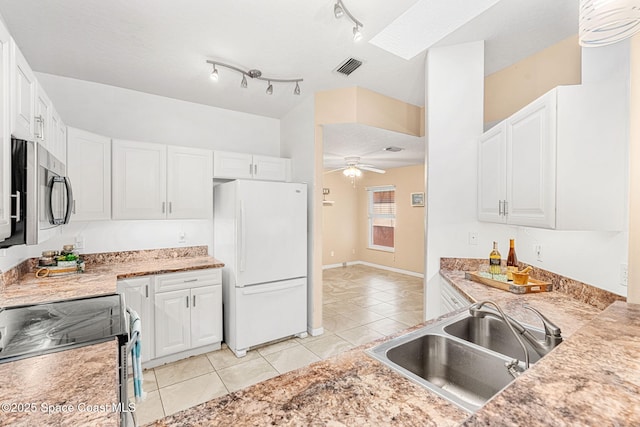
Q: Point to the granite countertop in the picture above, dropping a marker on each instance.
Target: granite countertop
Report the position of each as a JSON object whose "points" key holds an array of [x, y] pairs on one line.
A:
{"points": [[354, 389], [100, 276], [53, 389]]}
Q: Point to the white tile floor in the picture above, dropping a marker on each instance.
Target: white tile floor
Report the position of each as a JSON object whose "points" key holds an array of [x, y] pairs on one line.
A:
{"points": [[360, 304]]}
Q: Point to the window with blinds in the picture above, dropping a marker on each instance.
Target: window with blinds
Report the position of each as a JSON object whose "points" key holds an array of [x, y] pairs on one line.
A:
{"points": [[382, 217]]}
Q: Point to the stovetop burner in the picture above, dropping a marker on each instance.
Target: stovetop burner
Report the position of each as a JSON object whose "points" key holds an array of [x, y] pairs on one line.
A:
{"points": [[44, 328]]}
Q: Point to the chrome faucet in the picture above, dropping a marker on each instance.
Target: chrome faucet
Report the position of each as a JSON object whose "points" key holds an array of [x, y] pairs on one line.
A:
{"points": [[476, 311]]}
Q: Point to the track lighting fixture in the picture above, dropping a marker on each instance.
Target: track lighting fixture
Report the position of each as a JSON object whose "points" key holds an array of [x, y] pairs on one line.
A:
{"points": [[339, 9], [254, 74]]}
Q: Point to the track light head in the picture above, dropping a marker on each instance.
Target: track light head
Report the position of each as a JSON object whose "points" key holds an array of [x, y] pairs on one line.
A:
{"points": [[270, 89], [296, 91], [214, 74], [338, 11], [357, 35], [244, 81]]}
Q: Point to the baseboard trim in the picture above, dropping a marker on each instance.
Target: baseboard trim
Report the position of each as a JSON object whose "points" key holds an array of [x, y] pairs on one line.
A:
{"points": [[315, 332], [370, 264]]}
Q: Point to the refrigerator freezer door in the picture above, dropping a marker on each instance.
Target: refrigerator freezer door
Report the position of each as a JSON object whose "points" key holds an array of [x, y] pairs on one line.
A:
{"points": [[271, 232], [264, 313]]}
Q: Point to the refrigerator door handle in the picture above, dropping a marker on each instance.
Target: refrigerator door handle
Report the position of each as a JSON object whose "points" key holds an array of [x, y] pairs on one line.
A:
{"points": [[252, 290], [243, 238]]}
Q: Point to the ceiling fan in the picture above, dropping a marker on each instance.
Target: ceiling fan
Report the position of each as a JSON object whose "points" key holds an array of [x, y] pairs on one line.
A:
{"points": [[354, 168]]}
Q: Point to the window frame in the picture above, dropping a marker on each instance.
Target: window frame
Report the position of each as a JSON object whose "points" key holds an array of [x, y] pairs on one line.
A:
{"points": [[371, 216]]}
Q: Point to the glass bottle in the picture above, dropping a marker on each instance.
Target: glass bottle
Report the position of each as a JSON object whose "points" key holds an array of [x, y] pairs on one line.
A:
{"points": [[494, 260], [512, 260]]}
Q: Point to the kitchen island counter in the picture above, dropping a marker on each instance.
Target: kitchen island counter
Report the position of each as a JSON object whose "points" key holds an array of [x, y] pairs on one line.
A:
{"points": [[354, 389]]}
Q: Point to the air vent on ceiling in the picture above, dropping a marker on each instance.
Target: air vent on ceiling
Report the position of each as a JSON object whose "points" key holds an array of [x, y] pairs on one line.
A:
{"points": [[348, 66]]}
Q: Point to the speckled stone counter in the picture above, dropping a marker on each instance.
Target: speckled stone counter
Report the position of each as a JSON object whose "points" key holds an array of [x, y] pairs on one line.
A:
{"points": [[599, 382], [101, 274], [74, 387]]}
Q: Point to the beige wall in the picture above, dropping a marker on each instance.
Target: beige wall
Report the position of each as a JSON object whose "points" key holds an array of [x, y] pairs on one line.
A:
{"points": [[345, 224], [340, 232], [409, 231], [633, 291], [510, 89]]}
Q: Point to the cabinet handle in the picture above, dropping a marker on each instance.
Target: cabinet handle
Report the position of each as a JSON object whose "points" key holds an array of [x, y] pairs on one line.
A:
{"points": [[74, 206], [250, 168], [499, 207], [18, 202], [454, 301], [190, 280], [146, 291], [163, 204], [194, 301], [40, 121], [170, 207], [505, 204], [187, 301], [255, 169]]}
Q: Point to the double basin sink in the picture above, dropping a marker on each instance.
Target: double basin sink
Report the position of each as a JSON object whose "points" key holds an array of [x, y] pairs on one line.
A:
{"points": [[464, 359]]}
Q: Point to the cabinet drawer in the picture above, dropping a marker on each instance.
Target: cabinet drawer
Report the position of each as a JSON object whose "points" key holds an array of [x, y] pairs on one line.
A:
{"points": [[188, 279], [452, 298]]}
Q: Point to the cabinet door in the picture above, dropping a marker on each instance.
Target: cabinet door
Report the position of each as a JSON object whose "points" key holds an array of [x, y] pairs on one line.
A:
{"points": [[492, 174], [61, 138], [172, 322], [23, 83], [269, 168], [232, 165], [42, 122], [139, 180], [137, 296], [5, 133], [531, 164], [57, 140], [89, 169], [206, 315], [189, 183]]}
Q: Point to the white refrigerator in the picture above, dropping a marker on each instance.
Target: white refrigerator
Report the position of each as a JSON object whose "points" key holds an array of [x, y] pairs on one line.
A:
{"points": [[260, 233]]}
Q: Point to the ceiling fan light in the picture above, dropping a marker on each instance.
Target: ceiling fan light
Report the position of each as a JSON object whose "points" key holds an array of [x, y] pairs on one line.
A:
{"points": [[357, 35], [338, 11], [214, 74]]}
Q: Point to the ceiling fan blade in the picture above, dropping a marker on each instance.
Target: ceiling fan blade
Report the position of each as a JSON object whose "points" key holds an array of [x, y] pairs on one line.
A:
{"points": [[334, 170], [371, 169]]}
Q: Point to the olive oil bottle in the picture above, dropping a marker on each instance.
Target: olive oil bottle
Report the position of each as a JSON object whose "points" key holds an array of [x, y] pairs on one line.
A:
{"points": [[494, 260]]}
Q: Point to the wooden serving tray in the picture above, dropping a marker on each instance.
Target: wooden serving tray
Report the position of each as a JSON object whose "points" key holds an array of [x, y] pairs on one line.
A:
{"points": [[533, 286]]}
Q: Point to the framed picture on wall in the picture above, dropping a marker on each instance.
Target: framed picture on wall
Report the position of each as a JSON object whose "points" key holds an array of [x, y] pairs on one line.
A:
{"points": [[417, 199]]}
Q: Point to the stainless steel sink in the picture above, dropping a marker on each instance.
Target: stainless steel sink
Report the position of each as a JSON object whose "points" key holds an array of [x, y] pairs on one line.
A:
{"points": [[463, 359], [494, 334]]}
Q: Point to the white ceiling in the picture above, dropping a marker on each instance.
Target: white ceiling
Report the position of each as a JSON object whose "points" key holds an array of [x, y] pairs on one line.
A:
{"points": [[161, 46]]}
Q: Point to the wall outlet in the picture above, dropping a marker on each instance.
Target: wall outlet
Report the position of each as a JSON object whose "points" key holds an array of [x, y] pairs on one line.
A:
{"points": [[473, 238], [182, 237], [353, 251], [79, 242], [332, 253], [3, 252], [537, 249], [623, 274]]}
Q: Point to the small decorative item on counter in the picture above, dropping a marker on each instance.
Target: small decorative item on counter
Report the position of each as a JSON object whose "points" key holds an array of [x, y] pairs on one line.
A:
{"points": [[522, 277], [495, 260], [512, 260], [66, 262]]}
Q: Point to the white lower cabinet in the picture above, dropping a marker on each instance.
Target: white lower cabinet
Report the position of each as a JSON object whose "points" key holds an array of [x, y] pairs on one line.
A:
{"points": [[188, 311], [451, 299], [138, 296]]}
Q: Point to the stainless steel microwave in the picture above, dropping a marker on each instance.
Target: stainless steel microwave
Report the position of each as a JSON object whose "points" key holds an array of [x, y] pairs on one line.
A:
{"points": [[41, 194]]}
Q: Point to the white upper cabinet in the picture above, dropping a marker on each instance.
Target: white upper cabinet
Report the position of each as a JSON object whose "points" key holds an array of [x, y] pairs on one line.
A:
{"points": [[5, 133], [228, 165], [189, 183], [564, 166], [57, 141], [23, 83], [89, 169], [139, 180], [154, 181], [492, 174], [42, 129]]}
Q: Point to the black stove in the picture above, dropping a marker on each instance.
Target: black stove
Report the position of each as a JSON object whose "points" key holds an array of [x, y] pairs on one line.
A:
{"points": [[32, 330]]}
